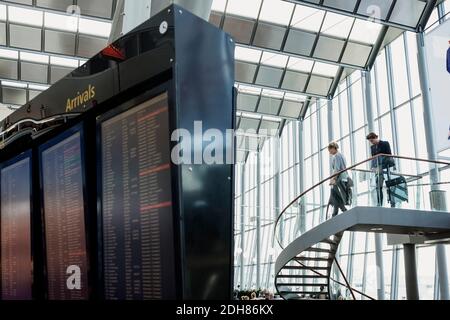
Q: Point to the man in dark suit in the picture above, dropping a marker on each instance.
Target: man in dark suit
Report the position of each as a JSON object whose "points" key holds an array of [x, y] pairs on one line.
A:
{"points": [[381, 163]]}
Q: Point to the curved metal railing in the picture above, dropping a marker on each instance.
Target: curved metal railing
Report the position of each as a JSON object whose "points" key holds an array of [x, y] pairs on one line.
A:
{"points": [[363, 167]]}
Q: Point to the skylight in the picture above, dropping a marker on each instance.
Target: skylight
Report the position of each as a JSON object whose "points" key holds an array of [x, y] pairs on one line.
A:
{"points": [[247, 8], [337, 25], [219, 5], [247, 54], [276, 11], [306, 18], [274, 60], [61, 22], [2, 12], [325, 69], [365, 31], [95, 28], [301, 65], [25, 16]]}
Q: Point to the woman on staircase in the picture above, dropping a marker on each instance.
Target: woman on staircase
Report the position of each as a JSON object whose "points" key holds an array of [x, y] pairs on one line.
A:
{"points": [[340, 185]]}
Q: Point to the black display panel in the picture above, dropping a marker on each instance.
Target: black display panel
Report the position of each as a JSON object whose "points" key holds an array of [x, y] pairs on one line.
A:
{"points": [[64, 217], [16, 252], [136, 196]]}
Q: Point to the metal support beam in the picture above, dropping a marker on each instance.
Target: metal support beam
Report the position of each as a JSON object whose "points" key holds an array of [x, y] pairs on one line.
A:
{"points": [[258, 220], [412, 285], [330, 120], [345, 279], [438, 201], [242, 259], [378, 237], [301, 175]]}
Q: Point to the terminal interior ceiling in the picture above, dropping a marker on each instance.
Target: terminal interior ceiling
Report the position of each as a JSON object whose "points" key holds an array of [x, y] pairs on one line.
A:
{"points": [[306, 72]]}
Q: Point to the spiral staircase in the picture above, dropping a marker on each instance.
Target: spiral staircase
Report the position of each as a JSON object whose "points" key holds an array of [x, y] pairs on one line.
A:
{"points": [[305, 268]]}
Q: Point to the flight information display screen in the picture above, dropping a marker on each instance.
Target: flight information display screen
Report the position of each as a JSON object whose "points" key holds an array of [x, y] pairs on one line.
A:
{"points": [[15, 257], [64, 216], [138, 239]]}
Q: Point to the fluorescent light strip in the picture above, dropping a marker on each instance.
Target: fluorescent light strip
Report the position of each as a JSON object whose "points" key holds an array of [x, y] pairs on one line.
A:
{"points": [[25, 16], [250, 115], [37, 87], [64, 62], [34, 57], [61, 22], [271, 118], [9, 54], [39, 57], [95, 28], [14, 84]]}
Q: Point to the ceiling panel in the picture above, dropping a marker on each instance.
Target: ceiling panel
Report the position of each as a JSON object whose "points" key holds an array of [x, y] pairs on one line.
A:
{"points": [[269, 36], [8, 69], [3, 33], [245, 72], [239, 28], [57, 73], [60, 42], [34, 72], [60, 5], [269, 76], [269, 106], [89, 46], [97, 8], [247, 102], [249, 124], [25, 37], [14, 96], [291, 109]]}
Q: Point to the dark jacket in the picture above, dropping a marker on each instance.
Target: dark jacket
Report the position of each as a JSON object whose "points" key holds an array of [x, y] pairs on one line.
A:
{"points": [[448, 60], [383, 147]]}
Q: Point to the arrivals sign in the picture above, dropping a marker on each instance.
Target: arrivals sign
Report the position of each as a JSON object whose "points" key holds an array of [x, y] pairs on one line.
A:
{"points": [[437, 43]]}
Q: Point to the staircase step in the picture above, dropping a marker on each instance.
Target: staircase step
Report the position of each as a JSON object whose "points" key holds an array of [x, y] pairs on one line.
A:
{"points": [[312, 259], [300, 276], [304, 268], [331, 242], [319, 250]]}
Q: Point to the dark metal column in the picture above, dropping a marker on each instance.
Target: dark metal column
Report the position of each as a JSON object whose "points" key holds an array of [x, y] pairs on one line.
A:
{"points": [[412, 286]]}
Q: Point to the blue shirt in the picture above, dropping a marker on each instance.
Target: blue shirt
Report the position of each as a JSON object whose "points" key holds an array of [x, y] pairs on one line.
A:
{"points": [[448, 60]]}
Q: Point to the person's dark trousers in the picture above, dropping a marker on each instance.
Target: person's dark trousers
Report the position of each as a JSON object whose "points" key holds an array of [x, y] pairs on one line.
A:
{"points": [[380, 182], [336, 210], [388, 178]]}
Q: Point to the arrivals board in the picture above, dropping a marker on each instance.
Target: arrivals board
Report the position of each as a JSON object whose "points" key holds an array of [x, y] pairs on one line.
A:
{"points": [[64, 216], [15, 257], [137, 208]]}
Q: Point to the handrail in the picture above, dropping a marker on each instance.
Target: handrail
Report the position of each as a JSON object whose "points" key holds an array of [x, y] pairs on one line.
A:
{"points": [[277, 221]]}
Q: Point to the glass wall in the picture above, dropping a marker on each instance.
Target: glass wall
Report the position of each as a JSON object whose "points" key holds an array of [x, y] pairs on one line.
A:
{"points": [[398, 117]]}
